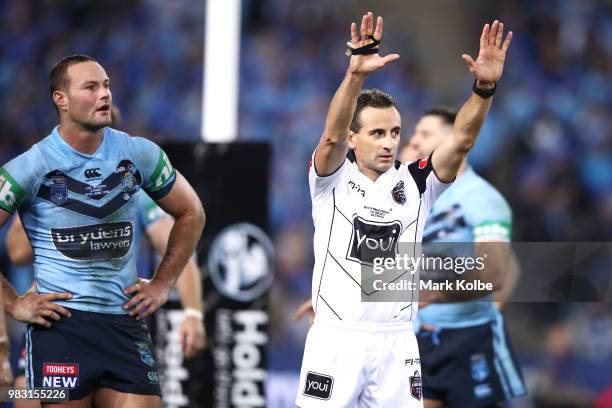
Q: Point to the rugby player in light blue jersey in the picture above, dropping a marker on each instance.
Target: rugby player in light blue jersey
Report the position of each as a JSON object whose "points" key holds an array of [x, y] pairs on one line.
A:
{"points": [[155, 225], [466, 356], [75, 192]]}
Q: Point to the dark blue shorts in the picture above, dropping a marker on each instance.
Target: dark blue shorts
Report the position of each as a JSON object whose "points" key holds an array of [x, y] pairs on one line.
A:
{"points": [[470, 367], [92, 350]]}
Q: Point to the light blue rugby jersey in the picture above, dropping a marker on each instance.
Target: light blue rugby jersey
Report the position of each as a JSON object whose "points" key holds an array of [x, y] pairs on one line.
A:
{"points": [[80, 213], [471, 210]]}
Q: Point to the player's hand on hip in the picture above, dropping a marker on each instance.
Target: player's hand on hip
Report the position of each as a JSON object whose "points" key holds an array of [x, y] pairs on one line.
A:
{"points": [[305, 309], [489, 65], [36, 308], [366, 64], [147, 297], [193, 336]]}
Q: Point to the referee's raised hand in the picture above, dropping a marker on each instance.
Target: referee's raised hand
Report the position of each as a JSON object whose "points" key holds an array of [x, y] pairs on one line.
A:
{"points": [[365, 64], [489, 64]]}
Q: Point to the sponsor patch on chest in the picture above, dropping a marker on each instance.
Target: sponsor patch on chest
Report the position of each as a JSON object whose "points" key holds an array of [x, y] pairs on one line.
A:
{"points": [[98, 241], [372, 239]]}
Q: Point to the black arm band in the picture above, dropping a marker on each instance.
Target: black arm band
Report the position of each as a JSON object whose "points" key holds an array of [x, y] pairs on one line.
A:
{"points": [[483, 93]]}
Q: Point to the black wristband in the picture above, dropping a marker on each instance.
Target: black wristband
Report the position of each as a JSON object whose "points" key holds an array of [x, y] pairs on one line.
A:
{"points": [[483, 93]]}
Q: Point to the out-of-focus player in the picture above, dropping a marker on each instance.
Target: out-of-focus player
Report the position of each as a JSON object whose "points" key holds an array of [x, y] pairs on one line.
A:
{"points": [[75, 192], [156, 225], [365, 353], [466, 356]]}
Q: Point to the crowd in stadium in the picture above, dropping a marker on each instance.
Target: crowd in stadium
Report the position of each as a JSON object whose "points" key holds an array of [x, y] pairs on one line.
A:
{"points": [[547, 144]]}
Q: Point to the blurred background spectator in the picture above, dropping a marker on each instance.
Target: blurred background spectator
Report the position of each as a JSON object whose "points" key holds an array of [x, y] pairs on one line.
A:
{"points": [[546, 145]]}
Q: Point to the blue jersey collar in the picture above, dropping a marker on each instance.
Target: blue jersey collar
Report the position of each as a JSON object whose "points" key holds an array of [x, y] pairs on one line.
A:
{"points": [[66, 148]]}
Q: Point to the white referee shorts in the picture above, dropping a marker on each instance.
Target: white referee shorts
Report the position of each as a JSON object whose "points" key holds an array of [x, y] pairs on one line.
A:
{"points": [[360, 365]]}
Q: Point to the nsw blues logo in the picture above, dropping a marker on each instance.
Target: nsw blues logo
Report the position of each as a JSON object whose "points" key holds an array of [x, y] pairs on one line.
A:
{"points": [[129, 183], [130, 179], [480, 368], [144, 349], [59, 190]]}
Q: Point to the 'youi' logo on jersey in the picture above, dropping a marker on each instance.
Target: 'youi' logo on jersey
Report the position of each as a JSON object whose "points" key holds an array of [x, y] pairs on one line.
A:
{"points": [[318, 385], [372, 239]]}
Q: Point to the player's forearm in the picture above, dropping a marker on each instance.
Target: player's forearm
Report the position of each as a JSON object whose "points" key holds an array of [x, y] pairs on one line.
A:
{"points": [[447, 157], [342, 107], [189, 287], [495, 264], [509, 282], [184, 236], [470, 119], [9, 296]]}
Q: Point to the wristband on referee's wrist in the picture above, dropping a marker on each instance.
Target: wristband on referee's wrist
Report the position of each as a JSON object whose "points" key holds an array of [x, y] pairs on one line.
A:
{"points": [[191, 312], [483, 93]]}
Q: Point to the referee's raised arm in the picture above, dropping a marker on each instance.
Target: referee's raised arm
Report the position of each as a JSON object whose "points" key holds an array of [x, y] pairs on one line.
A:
{"points": [[487, 69], [365, 59]]}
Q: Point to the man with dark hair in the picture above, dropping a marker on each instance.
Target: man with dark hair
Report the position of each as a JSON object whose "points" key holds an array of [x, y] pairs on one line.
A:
{"points": [[429, 132], [153, 223], [373, 98], [462, 336], [361, 350], [76, 195], [58, 78], [466, 356]]}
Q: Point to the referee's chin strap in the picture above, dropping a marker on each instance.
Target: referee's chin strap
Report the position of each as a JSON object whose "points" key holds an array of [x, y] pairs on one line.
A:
{"points": [[366, 49]]}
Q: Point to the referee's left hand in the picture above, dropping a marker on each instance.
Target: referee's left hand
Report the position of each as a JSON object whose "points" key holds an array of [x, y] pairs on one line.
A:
{"points": [[489, 65], [147, 297]]}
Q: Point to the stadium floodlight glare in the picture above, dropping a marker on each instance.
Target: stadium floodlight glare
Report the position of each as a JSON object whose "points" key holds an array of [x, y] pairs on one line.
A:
{"points": [[221, 61]]}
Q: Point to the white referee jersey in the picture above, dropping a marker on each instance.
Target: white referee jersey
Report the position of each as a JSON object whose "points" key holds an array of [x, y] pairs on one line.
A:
{"points": [[352, 213]]}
